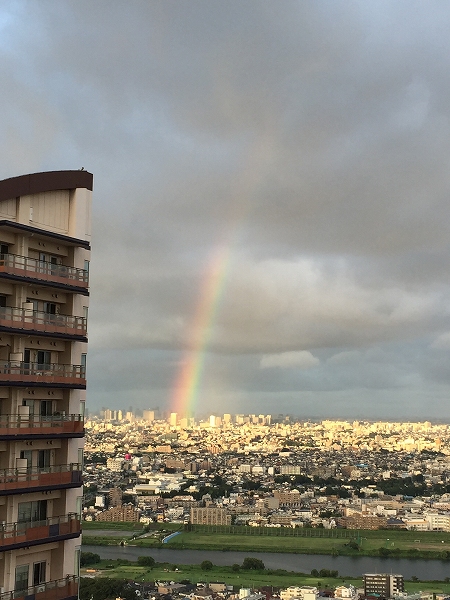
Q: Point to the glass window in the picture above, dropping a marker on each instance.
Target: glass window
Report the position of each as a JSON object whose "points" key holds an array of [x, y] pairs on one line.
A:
{"points": [[21, 579], [39, 572]]}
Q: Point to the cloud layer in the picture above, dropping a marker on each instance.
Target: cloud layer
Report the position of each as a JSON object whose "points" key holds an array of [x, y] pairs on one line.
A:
{"points": [[309, 140]]}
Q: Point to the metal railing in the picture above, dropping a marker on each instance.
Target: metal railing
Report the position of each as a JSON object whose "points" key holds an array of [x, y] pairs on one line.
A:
{"points": [[42, 269], [39, 529], [31, 319], [32, 477], [58, 589], [35, 423], [27, 369]]}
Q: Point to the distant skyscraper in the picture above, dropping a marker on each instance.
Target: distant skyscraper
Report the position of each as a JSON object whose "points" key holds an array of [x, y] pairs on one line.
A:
{"points": [[173, 419], [148, 415]]}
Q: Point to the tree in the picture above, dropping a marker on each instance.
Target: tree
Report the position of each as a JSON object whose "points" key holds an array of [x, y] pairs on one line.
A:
{"points": [[235, 567], [206, 565], [314, 573], [105, 589], [89, 558], [253, 564], [146, 561]]}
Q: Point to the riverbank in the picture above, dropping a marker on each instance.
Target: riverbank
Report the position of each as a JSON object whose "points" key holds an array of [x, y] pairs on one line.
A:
{"points": [[381, 543], [437, 570], [236, 576]]}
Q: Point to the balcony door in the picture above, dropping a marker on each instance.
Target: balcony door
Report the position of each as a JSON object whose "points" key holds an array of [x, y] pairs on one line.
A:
{"points": [[32, 513], [21, 578], [43, 360], [39, 572], [28, 455], [4, 251], [46, 408], [44, 459]]}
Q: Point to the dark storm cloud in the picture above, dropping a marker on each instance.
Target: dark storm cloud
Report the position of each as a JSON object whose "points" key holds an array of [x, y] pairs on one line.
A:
{"points": [[312, 138]]}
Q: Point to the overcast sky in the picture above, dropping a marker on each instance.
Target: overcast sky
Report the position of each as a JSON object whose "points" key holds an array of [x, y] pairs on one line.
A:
{"points": [[297, 151]]}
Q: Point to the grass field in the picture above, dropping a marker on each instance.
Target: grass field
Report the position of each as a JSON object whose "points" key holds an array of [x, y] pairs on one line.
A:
{"points": [[282, 579], [371, 543]]}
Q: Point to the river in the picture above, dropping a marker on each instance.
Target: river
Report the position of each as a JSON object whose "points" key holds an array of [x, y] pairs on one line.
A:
{"points": [[304, 563]]}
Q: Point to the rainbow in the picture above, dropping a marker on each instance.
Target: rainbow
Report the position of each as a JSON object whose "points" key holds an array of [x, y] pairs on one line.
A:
{"points": [[189, 377]]}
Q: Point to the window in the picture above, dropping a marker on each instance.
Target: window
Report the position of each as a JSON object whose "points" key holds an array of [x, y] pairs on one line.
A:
{"points": [[28, 455], [46, 408], [44, 459], [32, 512], [39, 572], [34, 302], [77, 561], [21, 579], [83, 365], [50, 308], [43, 359], [30, 404]]}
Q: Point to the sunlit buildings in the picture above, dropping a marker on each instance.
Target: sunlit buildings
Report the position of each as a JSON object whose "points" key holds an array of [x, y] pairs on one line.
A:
{"points": [[44, 265]]}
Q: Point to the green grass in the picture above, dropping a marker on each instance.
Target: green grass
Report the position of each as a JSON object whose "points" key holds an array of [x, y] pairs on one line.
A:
{"points": [[406, 544], [276, 578]]}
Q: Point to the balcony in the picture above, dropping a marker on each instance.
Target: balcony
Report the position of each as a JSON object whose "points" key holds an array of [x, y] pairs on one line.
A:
{"points": [[41, 323], [60, 589], [19, 535], [36, 479], [18, 427], [16, 373], [18, 267]]}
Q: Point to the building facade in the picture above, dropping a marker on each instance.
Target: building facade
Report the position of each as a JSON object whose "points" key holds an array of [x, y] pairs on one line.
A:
{"points": [[44, 265]]}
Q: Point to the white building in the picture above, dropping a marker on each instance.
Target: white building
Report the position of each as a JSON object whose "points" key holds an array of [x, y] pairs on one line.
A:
{"points": [[45, 221]]}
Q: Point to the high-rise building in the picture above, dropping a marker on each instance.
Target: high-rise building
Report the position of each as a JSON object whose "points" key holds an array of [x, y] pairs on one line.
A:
{"points": [[148, 415], [44, 266]]}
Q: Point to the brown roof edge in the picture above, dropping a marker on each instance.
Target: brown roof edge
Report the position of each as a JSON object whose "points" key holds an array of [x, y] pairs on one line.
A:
{"points": [[34, 183]]}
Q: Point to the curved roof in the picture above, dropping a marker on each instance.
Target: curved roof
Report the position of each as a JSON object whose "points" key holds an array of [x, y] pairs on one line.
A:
{"points": [[48, 181]]}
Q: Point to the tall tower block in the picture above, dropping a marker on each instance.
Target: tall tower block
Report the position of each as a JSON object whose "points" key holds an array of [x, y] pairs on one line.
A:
{"points": [[45, 232]]}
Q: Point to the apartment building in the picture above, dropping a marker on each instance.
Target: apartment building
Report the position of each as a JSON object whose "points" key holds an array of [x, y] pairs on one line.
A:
{"points": [[304, 592], [44, 265], [210, 516], [126, 512], [383, 585]]}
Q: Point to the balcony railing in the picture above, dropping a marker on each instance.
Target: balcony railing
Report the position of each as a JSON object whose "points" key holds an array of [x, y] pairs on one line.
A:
{"points": [[23, 318], [17, 481], [60, 589], [16, 372], [23, 266], [39, 532], [29, 425]]}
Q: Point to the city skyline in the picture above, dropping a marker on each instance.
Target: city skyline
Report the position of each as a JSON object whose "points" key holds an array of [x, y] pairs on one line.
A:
{"points": [[271, 210]]}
